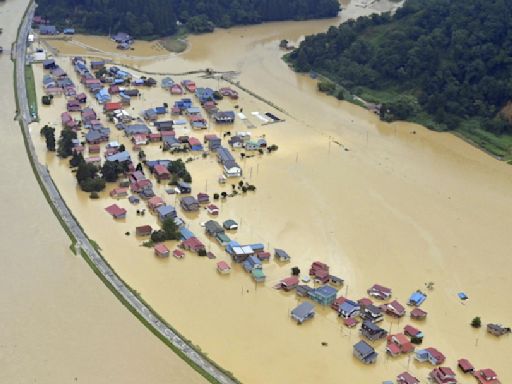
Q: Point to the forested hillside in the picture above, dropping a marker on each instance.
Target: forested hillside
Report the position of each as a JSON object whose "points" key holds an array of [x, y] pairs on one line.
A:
{"points": [[158, 17], [446, 64]]}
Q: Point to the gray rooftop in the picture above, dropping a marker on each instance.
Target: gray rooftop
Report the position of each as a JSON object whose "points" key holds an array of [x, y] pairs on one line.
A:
{"points": [[303, 310]]}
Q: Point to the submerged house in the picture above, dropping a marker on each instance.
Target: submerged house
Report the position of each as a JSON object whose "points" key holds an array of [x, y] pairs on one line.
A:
{"points": [[189, 203], [46, 30], [164, 125], [372, 313], [395, 309], [116, 211], [161, 250], [324, 295], [406, 378], [195, 144], [161, 172], [497, 329], [238, 252], [442, 375], [212, 228], [398, 344], [288, 283], [192, 244], [231, 167], [143, 230], [320, 272], [252, 262], [166, 212], [224, 117], [418, 314], [213, 141], [135, 129], [432, 355], [372, 331], [417, 298], [365, 352], [379, 292], [303, 312], [281, 255], [465, 366], [487, 376], [223, 267], [258, 275], [411, 331], [155, 202], [122, 38], [103, 96], [349, 308]]}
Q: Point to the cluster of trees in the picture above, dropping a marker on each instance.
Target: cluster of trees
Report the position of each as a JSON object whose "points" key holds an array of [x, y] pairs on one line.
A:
{"points": [[159, 17], [87, 175], [65, 143], [451, 60], [169, 231], [179, 171], [49, 136]]}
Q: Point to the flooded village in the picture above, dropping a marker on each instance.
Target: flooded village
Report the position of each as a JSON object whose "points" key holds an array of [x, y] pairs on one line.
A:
{"points": [[300, 210]]}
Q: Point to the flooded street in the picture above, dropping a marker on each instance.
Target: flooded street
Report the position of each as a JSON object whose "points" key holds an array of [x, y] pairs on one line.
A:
{"points": [[59, 323], [394, 204]]}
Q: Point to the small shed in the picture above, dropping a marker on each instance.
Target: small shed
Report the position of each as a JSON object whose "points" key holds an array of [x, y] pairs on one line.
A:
{"points": [[465, 366], [418, 314], [143, 230], [417, 298], [223, 268], [212, 209], [161, 250], [281, 255], [178, 253], [230, 224]]}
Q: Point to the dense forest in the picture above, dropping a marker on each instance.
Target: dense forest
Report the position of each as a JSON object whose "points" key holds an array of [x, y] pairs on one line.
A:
{"points": [[160, 17], [446, 64]]}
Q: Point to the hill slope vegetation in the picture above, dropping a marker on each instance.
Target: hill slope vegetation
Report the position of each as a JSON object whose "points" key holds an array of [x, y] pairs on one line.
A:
{"points": [[158, 17], [445, 64]]}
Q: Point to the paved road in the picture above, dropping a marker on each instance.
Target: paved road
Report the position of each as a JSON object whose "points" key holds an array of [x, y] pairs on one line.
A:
{"points": [[82, 241]]}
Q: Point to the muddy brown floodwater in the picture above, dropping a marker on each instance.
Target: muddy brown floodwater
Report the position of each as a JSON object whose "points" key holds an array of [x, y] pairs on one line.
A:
{"points": [[59, 323], [390, 203]]}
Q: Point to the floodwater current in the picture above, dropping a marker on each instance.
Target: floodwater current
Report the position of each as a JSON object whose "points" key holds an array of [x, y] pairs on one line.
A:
{"points": [[394, 204]]}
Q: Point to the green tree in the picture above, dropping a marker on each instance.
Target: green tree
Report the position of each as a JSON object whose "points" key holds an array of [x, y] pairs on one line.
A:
{"points": [[93, 185], [76, 160], [49, 135], [170, 229], [158, 236], [65, 144], [111, 170], [85, 171], [476, 322], [326, 86]]}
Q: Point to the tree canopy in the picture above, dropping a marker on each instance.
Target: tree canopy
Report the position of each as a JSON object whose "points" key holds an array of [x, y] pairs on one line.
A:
{"points": [[447, 60], [159, 17]]}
